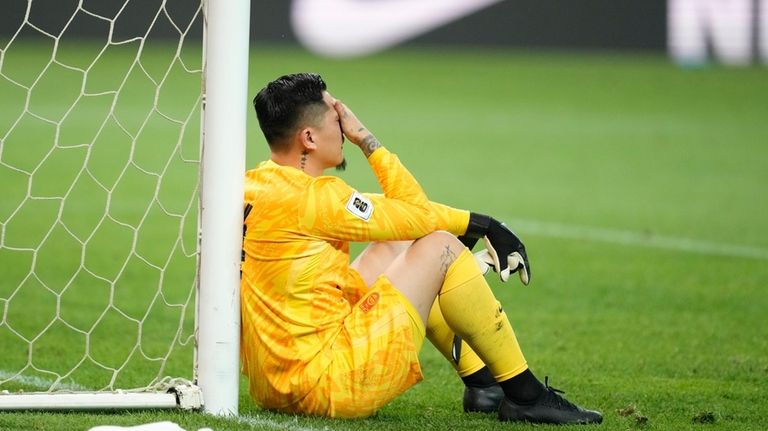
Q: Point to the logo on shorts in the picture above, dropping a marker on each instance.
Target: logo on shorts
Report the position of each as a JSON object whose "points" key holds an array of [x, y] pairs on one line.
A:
{"points": [[369, 302]]}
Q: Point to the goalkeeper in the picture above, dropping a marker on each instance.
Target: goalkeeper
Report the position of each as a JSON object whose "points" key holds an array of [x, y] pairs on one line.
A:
{"points": [[321, 336]]}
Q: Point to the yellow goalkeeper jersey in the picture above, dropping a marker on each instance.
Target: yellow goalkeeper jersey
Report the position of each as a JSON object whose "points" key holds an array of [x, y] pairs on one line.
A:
{"points": [[297, 286]]}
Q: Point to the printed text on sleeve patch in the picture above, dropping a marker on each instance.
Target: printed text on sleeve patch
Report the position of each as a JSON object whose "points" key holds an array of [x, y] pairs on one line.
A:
{"points": [[360, 206]]}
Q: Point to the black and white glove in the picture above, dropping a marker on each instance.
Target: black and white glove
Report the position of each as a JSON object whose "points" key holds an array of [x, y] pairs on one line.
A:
{"points": [[504, 252]]}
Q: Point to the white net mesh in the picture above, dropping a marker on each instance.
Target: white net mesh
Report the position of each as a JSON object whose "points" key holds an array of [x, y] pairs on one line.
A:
{"points": [[99, 159]]}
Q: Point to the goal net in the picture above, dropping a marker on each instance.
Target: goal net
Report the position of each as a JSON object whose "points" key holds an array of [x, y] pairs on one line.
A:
{"points": [[100, 161]]}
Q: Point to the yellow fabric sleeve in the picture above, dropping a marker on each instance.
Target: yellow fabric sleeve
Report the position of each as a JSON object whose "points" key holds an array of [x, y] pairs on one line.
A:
{"points": [[450, 219], [331, 209]]}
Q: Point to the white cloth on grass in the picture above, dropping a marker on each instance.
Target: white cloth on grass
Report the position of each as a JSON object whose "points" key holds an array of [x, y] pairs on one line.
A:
{"points": [[155, 426]]}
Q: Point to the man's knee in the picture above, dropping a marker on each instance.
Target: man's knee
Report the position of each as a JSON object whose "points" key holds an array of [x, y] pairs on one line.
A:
{"points": [[391, 249], [441, 239], [377, 257]]}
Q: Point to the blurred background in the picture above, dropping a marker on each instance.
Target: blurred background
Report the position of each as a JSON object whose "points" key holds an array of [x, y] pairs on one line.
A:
{"points": [[692, 31], [624, 140]]}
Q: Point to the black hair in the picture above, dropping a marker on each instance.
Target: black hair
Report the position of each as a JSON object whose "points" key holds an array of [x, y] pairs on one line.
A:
{"points": [[284, 102]]}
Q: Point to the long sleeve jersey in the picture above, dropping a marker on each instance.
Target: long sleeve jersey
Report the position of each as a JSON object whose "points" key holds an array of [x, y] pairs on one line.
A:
{"points": [[297, 286]]}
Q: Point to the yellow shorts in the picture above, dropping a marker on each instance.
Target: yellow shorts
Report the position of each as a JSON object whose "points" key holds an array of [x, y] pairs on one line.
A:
{"points": [[375, 357]]}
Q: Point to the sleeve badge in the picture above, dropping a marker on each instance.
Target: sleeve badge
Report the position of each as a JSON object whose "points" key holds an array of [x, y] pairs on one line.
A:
{"points": [[360, 206]]}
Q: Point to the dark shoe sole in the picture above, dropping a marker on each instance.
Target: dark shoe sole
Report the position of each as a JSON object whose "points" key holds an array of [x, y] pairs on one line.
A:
{"points": [[542, 414]]}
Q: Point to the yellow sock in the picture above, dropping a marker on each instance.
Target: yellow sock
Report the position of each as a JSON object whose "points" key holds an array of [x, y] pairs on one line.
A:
{"points": [[441, 336], [471, 310]]}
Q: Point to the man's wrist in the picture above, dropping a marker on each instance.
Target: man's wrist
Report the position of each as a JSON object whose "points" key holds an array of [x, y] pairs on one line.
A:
{"points": [[478, 225], [369, 144]]}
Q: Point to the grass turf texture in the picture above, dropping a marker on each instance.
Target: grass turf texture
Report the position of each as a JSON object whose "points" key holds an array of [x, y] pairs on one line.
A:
{"points": [[655, 336]]}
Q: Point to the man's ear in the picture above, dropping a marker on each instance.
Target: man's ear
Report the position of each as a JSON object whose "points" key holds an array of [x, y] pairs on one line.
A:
{"points": [[306, 137]]}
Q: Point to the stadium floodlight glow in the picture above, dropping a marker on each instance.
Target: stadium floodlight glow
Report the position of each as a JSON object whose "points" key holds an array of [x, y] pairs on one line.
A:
{"points": [[121, 226]]}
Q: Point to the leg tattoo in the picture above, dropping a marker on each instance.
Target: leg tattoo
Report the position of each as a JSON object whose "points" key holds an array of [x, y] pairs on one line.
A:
{"points": [[446, 259]]}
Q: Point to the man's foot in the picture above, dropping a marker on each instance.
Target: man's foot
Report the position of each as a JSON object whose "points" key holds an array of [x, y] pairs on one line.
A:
{"points": [[549, 408], [483, 400]]}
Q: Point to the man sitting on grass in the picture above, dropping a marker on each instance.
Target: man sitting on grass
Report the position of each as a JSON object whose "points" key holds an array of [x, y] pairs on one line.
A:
{"points": [[322, 336]]}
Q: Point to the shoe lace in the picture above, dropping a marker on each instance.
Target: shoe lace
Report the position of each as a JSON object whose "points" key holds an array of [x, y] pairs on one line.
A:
{"points": [[553, 398]]}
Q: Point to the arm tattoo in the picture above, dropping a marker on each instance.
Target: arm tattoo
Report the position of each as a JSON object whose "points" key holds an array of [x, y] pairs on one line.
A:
{"points": [[369, 145], [446, 259]]}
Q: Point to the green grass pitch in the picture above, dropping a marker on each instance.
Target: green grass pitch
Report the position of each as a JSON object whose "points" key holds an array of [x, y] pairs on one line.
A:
{"points": [[639, 189]]}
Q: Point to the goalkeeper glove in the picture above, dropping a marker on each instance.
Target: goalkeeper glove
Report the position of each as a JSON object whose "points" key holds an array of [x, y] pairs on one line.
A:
{"points": [[504, 252]]}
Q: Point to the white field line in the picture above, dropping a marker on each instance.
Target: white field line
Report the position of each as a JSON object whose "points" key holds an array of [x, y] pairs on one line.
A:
{"points": [[637, 239], [256, 421], [39, 382]]}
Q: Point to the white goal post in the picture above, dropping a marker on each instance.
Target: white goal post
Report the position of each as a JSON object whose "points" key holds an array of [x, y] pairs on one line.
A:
{"points": [[223, 172], [35, 140]]}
